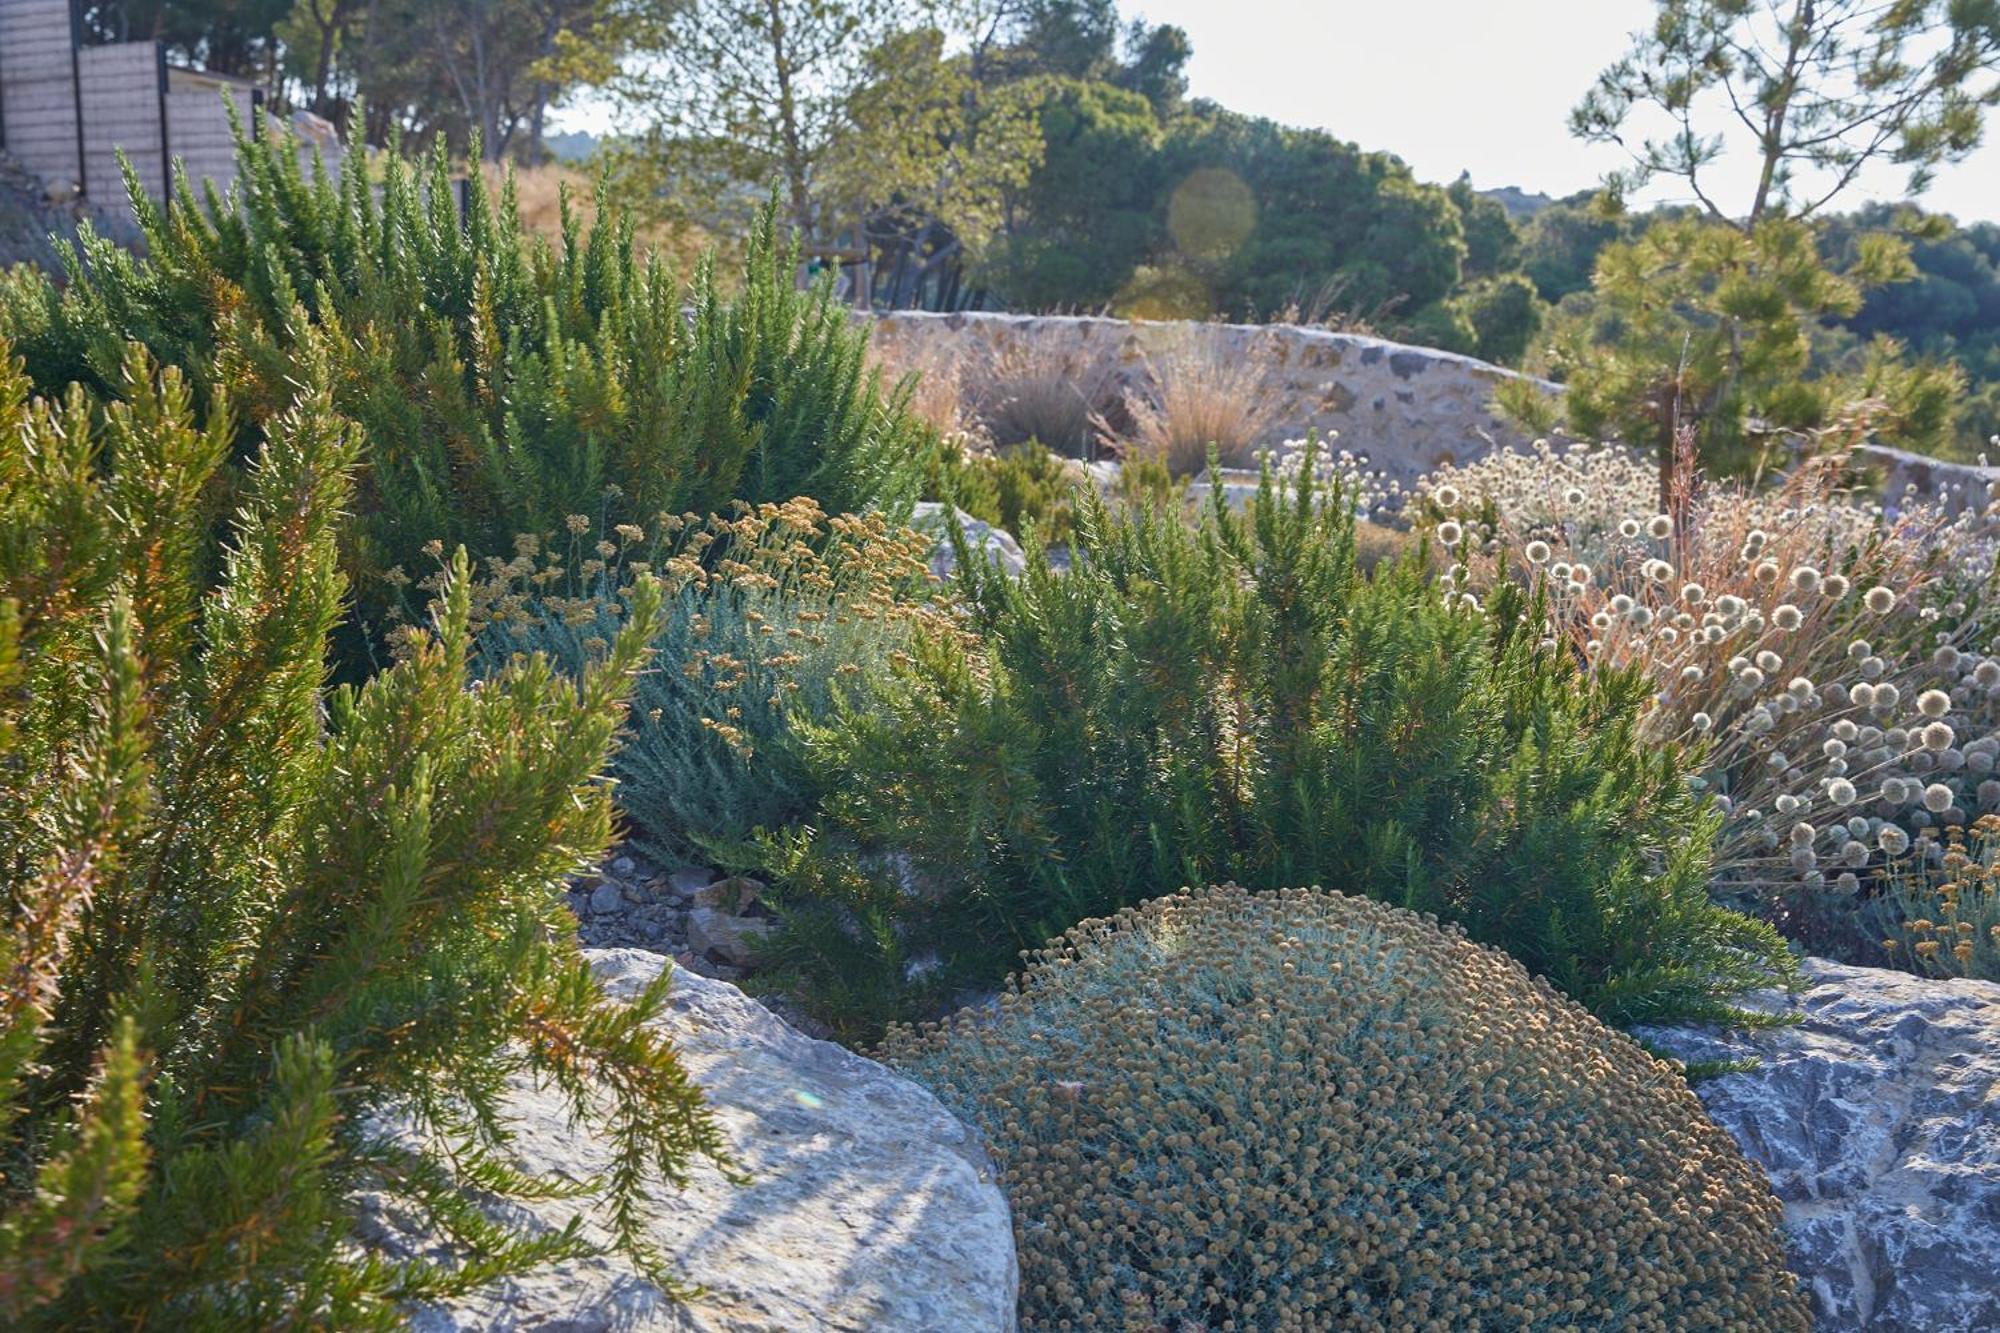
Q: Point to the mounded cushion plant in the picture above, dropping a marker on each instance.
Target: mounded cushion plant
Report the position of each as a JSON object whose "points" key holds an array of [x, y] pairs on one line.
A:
{"points": [[1300, 1109]]}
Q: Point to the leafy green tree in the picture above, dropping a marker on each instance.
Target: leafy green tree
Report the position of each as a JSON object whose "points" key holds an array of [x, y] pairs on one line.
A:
{"points": [[481, 72], [1077, 39], [1086, 218], [229, 36], [251, 921], [1560, 243], [926, 141], [757, 93], [1504, 314], [1326, 221], [1492, 245], [1700, 326]]}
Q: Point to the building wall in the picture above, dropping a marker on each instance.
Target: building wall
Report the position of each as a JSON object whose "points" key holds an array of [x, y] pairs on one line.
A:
{"points": [[37, 88], [121, 109], [124, 90]]}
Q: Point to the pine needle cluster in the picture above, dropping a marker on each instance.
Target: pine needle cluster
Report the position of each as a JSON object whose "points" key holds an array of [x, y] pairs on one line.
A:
{"points": [[249, 921]]}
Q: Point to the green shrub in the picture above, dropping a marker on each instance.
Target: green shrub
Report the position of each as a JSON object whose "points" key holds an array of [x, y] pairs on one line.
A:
{"points": [[1015, 489], [775, 614], [1938, 910], [249, 920], [1234, 700], [500, 384], [1305, 1110]]}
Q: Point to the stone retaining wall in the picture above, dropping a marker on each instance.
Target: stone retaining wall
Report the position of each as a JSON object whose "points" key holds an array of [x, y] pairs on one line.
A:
{"points": [[1406, 409]]}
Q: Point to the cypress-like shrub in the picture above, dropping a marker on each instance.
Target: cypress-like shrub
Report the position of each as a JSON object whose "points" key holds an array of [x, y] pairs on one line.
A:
{"points": [[1236, 700], [1306, 1110], [250, 921], [500, 384]]}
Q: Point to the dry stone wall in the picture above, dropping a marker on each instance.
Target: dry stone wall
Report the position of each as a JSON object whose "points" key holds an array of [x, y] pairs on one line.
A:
{"points": [[1405, 409]]}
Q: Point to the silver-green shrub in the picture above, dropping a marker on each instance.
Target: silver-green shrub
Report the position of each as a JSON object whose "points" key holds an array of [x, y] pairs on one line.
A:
{"points": [[1227, 1110], [771, 615]]}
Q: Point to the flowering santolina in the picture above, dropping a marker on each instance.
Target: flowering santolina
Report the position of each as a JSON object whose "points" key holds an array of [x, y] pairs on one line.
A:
{"points": [[1242, 1111]]}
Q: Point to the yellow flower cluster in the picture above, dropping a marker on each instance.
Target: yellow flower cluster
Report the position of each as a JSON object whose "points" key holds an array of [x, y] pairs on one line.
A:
{"points": [[1947, 908]]}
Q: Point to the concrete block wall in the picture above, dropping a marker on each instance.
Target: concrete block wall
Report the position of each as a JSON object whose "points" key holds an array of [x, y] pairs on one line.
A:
{"points": [[121, 109], [129, 100], [38, 89]]}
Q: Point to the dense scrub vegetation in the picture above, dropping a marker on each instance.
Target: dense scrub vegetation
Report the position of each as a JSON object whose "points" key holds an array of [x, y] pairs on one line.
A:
{"points": [[500, 384], [1235, 700], [248, 919], [1840, 673], [1211, 1110], [1588, 710]]}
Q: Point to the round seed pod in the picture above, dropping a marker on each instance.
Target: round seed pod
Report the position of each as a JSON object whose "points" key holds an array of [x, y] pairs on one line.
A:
{"points": [[1304, 1110]]}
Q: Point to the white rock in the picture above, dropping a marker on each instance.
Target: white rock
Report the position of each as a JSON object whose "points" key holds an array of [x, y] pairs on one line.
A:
{"points": [[870, 1208], [997, 543], [1878, 1119]]}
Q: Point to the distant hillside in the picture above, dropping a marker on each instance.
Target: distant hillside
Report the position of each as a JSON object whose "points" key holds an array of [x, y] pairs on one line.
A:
{"points": [[1520, 205], [572, 146]]}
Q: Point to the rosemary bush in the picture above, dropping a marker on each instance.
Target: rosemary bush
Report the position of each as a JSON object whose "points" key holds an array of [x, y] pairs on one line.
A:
{"points": [[249, 919], [500, 383], [1235, 700]]}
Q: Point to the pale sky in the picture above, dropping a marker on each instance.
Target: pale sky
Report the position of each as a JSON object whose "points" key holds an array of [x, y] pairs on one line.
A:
{"points": [[1450, 85], [1484, 86]]}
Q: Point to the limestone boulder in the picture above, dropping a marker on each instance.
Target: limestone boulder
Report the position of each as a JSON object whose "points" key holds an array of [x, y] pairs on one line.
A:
{"points": [[1878, 1119], [870, 1206], [999, 545]]}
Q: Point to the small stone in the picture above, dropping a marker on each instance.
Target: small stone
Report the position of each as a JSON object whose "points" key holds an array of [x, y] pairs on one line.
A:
{"points": [[607, 897], [624, 865], [687, 879], [733, 895], [731, 939]]}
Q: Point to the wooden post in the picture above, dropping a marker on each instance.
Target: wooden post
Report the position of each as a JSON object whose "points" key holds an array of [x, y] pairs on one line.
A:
{"points": [[76, 91], [166, 141]]}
